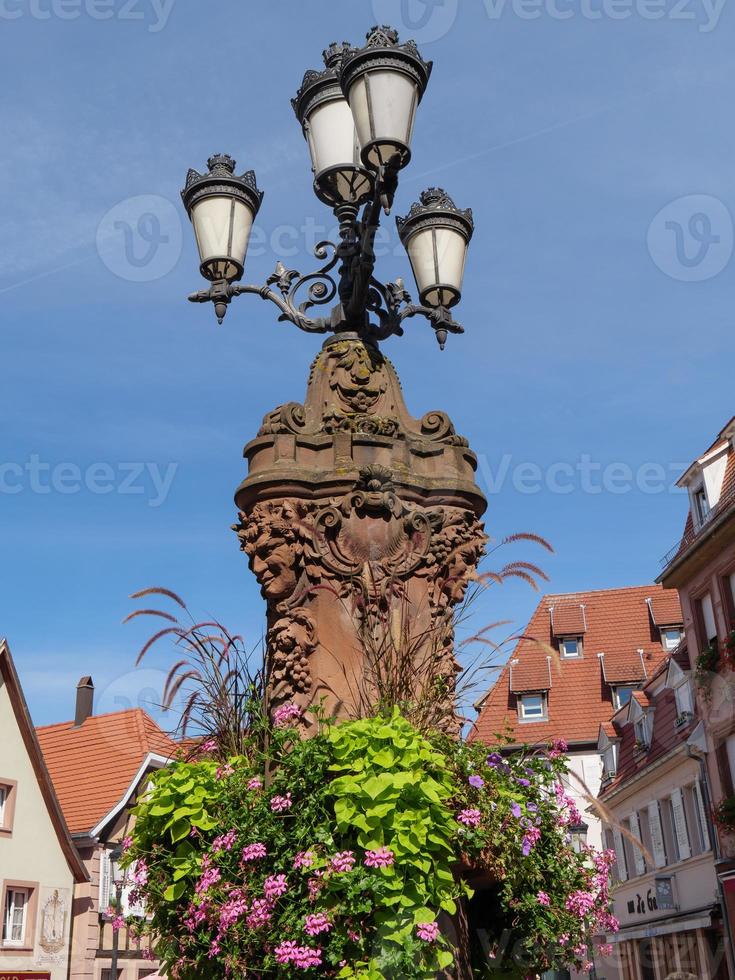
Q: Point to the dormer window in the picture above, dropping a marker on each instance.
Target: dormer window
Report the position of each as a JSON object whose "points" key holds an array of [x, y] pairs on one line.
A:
{"points": [[683, 695], [641, 732], [701, 505], [671, 637], [622, 694], [609, 761], [532, 707], [570, 647]]}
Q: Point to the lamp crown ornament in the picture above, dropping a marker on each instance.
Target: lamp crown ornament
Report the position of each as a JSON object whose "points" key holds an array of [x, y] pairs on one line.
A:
{"points": [[382, 35], [383, 50], [221, 161], [334, 54], [435, 200]]}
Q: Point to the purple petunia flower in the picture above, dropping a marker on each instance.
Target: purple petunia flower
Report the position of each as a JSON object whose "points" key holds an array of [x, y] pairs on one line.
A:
{"points": [[515, 809], [477, 781]]}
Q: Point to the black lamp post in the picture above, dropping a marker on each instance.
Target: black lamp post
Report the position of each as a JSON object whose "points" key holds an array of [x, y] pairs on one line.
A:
{"points": [[357, 116]]}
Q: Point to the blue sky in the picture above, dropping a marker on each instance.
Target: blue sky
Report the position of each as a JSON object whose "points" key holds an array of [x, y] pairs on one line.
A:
{"points": [[594, 140]]}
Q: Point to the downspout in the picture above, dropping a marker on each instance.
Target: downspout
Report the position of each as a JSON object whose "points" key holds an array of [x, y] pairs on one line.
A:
{"points": [[712, 831]]}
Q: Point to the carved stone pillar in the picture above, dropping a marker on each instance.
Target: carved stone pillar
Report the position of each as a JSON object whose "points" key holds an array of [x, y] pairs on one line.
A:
{"points": [[362, 526]]}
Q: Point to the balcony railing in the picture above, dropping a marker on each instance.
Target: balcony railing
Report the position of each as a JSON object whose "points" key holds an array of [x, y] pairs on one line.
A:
{"points": [[726, 501]]}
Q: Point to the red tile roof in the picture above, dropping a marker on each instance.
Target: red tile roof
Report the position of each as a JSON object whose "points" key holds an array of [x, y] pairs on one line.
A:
{"points": [[666, 610], [567, 620], [580, 699], [93, 765], [623, 666], [532, 675]]}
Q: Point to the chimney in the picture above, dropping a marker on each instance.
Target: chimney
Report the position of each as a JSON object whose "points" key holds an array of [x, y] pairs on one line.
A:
{"points": [[85, 700]]}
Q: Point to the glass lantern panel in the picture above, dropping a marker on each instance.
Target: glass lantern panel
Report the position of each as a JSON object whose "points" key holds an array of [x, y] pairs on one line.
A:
{"points": [[383, 104], [222, 227], [332, 138]]}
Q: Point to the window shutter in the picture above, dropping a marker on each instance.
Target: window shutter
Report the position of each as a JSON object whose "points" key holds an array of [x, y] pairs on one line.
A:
{"points": [[701, 813], [638, 858], [680, 825], [620, 855], [657, 837], [708, 616], [105, 879]]}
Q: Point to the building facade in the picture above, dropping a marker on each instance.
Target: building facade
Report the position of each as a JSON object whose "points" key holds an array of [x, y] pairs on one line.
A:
{"points": [[656, 817], [582, 656], [99, 764], [39, 865], [702, 568]]}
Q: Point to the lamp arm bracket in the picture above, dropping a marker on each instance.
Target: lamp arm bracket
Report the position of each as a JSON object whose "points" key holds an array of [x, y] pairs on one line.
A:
{"points": [[321, 288]]}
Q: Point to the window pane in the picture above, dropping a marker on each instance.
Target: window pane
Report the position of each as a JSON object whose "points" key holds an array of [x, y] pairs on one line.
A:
{"points": [[623, 695], [14, 921], [532, 706], [570, 648], [671, 638]]}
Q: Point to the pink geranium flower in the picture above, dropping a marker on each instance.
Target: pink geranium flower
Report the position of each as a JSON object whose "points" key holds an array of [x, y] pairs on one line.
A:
{"points": [[428, 931], [254, 852], [469, 817], [286, 713], [281, 803], [382, 858], [254, 783], [543, 898], [317, 924], [343, 861], [304, 859], [259, 915], [274, 887]]}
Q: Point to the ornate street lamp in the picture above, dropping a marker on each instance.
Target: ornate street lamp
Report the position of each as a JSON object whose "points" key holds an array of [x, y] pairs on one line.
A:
{"points": [[358, 117], [329, 129], [222, 209], [436, 234], [384, 83]]}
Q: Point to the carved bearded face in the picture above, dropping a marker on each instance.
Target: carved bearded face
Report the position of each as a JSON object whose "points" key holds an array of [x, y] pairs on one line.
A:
{"points": [[273, 563], [460, 568]]}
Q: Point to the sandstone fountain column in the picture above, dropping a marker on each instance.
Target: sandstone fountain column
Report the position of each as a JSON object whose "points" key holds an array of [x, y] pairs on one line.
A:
{"points": [[362, 527]]}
